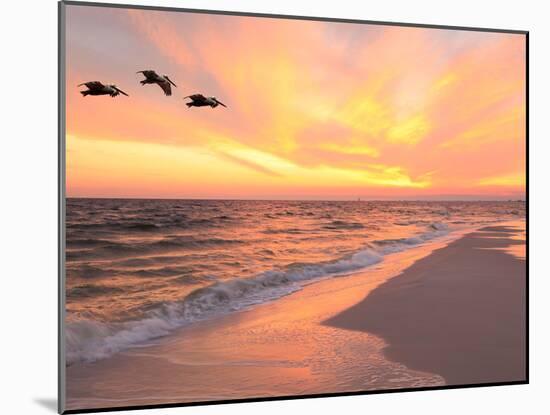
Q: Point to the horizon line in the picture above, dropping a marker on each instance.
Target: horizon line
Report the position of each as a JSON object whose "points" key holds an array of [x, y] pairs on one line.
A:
{"points": [[359, 199]]}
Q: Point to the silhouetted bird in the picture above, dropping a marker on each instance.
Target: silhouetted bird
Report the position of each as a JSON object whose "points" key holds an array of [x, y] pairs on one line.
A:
{"points": [[97, 88], [199, 100], [151, 77]]}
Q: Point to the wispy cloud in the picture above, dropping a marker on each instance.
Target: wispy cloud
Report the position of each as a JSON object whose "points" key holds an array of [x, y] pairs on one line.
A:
{"points": [[438, 110], [248, 164]]}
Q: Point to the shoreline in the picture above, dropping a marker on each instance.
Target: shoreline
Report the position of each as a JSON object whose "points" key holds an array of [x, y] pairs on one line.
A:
{"points": [[459, 312], [278, 348], [360, 261]]}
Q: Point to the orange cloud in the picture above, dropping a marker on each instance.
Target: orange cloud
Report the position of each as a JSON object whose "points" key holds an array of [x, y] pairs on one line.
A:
{"points": [[309, 104]]}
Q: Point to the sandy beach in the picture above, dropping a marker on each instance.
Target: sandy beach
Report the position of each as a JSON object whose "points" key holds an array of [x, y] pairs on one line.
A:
{"points": [[444, 313], [460, 312]]}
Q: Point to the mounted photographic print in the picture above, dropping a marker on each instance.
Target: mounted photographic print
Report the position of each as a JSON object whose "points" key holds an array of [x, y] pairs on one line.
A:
{"points": [[257, 207]]}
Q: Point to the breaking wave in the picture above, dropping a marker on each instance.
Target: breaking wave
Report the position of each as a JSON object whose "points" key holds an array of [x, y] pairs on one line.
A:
{"points": [[88, 340]]}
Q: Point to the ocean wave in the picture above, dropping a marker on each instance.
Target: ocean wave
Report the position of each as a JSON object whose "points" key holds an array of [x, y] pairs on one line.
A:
{"points": [[152, 223], [91, 290], [115, 226], [404, 222], [434, 230], [87, 271], [168, 271], [143, 226], [88, 242], [340, 224], [149, 261], [113, 249], [88, 340], [286, 231]]}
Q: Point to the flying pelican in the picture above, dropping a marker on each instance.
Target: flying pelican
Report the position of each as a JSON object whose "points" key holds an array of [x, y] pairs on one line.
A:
{"points": [[151, 77], [97, 88], [199, 100]]}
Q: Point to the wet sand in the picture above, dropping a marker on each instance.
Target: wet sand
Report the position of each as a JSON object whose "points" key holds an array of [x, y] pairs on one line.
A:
{"points": [[459, 312]]}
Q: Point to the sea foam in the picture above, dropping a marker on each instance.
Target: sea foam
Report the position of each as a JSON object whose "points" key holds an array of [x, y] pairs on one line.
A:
{"points": [[89, 340]]}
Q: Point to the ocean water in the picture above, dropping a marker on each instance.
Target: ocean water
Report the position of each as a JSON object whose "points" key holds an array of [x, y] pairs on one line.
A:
{"points": [[139, 269]]}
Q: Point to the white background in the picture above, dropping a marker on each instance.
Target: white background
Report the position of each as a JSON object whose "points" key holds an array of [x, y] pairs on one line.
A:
{"points": [[28, 269]]}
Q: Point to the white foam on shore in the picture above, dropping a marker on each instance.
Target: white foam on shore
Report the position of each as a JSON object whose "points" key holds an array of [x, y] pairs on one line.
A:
{"points": [[88, 340]]}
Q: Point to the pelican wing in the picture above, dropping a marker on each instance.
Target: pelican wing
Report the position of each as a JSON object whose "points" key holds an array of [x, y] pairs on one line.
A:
{"points": [[149, 74], [166, 88], [197, 97], [93, 85], [121, 91]]}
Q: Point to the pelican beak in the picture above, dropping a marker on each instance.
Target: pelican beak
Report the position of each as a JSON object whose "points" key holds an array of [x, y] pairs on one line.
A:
{"points": [[169, 80], [121, 91]]}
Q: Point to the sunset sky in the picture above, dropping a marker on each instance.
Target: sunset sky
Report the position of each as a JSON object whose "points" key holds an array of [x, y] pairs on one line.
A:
{"points": [[316, 110]]}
